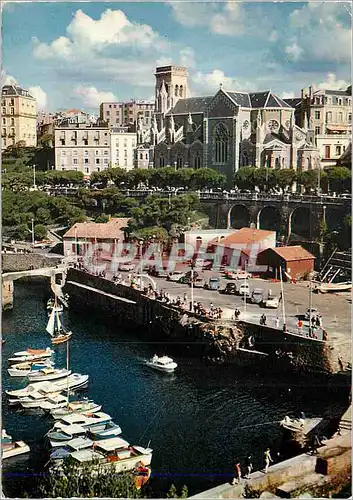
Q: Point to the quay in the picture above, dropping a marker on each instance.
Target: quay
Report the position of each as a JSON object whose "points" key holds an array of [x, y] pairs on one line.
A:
{"points": [[327, 471], [223, 340]]}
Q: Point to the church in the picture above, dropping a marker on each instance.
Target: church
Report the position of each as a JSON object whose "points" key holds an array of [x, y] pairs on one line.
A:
{"points": [[225, 132]]}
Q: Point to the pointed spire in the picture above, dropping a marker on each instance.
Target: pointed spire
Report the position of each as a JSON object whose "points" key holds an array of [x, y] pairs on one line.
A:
{"points": [[154, 124], [163, 88]]}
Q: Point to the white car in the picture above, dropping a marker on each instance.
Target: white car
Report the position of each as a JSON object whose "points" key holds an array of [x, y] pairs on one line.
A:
{"points": [[126, 267], [271, 303], [175, 276]]}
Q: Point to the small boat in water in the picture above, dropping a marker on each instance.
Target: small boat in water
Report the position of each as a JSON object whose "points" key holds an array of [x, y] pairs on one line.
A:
{"points": [[142, 475], [110, 430], [51, 305], [48, 373], [95, 421], [36, 352], [53, 402], [11, 448], [73, 381], [85, 407], [164, 364], [24, 369]]}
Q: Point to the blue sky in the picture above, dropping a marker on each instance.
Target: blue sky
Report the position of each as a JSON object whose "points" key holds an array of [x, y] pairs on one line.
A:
{"points": [[80, 54]]}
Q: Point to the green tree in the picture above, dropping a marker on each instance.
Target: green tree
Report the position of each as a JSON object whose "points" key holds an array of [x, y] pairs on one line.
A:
{"points": [[40, 232], [285, 178], [118, 175], [244, 178], [338, 178], [207, 178], [138, 176], [308, 179], [21, 232], [43, 215], [102, 218]]}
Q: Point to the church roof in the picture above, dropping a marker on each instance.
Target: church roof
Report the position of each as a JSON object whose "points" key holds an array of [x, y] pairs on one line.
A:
{"points": [[293, 101], [267, 100], [273, 137], [191, 105], [240, 98]]}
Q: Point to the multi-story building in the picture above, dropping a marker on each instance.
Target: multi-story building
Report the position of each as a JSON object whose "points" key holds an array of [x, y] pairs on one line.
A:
{"points": [[328, 114], [122, 148], [126, 114], [18, 117], [225, 131], [82, 147]]}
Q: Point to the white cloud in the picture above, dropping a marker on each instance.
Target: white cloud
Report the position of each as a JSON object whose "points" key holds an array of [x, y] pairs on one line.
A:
{"points": [[287, 95], [193, 14], [92, 97], [230, 21], [332, 84], [39, 95], [7, 79], [273, 36], [210, 82], [293, 51], [323, 32]]}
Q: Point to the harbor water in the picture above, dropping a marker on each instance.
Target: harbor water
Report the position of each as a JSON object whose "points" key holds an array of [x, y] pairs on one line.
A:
{"points": [[198, 420]]}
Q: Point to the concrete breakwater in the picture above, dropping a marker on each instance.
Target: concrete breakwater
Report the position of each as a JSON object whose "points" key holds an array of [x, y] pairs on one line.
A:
{"points": [[214, 340]]}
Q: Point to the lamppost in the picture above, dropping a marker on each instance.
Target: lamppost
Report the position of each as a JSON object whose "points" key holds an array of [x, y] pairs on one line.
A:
{"points": [[192, 286], [34, 177], [141, 261], [32, 232]]}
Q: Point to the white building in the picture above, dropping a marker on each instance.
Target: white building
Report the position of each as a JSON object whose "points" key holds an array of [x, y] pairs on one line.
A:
{"points": [[122, 148]]}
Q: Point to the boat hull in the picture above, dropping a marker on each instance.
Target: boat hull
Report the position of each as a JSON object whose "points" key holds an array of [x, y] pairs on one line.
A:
{"points": [[161, 368], [63, 412], [19, 449], [50, 376], [61, 338]]}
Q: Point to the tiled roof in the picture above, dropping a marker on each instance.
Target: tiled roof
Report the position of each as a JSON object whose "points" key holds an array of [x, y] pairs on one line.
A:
{"points": [[109, 230], [295, 252], [191, 105], [267, 100], [339, 92], [246, 236], [240, 98], [15, 90], [293, 102]]}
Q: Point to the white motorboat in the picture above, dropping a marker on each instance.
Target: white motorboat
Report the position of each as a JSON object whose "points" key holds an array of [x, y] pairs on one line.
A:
{"points": [[35, 399], [48, 374], [97, 420], [73, 381], [31, 356], [76, 407], [53, 402], [110, 431], [164, 364], [13, 449], [334, 287], [43, 353], [24, 369], [59, 437]]}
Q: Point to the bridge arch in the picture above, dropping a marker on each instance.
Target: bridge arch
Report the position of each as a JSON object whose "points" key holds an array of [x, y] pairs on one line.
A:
{"points": [[269, 217], [301, 222], [238, 216]]}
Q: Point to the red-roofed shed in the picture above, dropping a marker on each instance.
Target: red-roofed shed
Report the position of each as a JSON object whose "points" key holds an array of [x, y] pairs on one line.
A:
{"points": [[295, 262]]}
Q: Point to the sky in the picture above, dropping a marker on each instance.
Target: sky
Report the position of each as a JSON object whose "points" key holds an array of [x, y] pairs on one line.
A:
{"points": [[77, 55]]}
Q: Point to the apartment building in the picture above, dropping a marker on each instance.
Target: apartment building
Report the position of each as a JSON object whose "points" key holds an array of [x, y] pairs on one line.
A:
{"points": [[122, 148], [18, 117], [82, 147], [123, 114], [328, 115]]}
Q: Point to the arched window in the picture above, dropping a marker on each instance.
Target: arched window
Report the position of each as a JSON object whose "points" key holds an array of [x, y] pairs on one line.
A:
{"points": [[181, 91], [244, 159], [176, 92], [161, 161], [197, 160], [179, 161], [221, 143], [276, 162]]}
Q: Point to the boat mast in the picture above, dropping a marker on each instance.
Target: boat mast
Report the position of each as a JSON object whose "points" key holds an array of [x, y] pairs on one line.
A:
{"points": [[283, 306], [310, 303], [67, 368]]}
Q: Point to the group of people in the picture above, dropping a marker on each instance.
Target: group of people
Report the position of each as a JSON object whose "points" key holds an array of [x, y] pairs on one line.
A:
{"points": [[249, 466]]}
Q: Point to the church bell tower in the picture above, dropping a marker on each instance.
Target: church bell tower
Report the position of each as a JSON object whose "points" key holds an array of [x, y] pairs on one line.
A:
{"points": [[171, 85]]}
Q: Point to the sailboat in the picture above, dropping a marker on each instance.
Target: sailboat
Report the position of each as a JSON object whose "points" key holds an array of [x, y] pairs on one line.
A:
{"points": [[55, 327]]}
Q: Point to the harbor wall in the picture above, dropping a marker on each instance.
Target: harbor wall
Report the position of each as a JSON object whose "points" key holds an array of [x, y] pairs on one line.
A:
{"points": [[15, 262], [7, 295], [215, 341]]}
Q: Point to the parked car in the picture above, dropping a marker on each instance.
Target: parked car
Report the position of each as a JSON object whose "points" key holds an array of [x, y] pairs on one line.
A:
{"points": [[213, 284], [230, 289], [257, 296], [237, 275], [158, 273], [186, 278], [244, 290], [271, 303], [175, 276], [198, 283], [126, 267]]}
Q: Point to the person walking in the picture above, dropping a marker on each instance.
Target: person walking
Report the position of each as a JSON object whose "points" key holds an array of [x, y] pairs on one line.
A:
{"points": [[249, 466], [268, 459], [185, 298], [237, 475], [277, 322]]}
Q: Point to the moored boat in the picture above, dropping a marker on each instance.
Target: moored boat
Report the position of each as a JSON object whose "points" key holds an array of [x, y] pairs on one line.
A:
{"points": [[97, 420], [55, 328], [334, 287], [110, 430], [48, 374], [13, 449], [24, 369], [76, 407], [142, 475], [164, 364], [35, 352]]}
